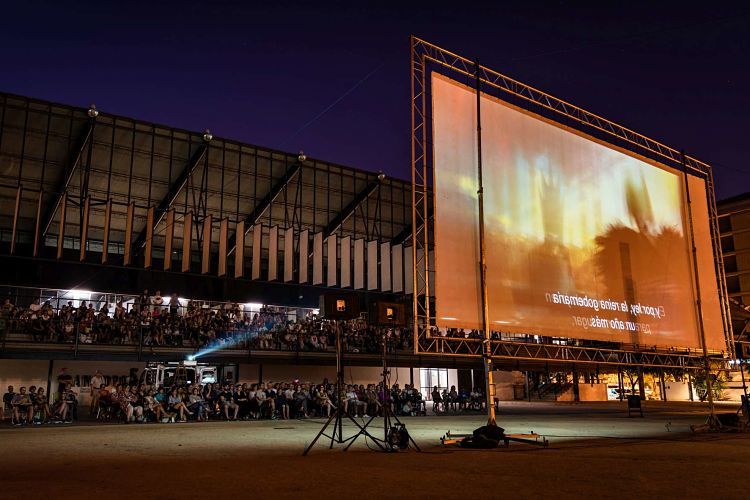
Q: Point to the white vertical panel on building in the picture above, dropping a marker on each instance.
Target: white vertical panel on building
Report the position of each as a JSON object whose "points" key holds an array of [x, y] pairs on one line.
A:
{"points": [[372, 265], [346, 261], [397, 259], [239, 250], [304, 256], [257, 242], [408, 271], [332, 244], [317, 259], [385, 266], [273, 254], [289, 254], [359, 264]]}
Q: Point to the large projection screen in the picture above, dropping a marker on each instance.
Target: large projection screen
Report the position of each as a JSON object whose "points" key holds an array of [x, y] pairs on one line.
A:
{"points": [[583, 240]]}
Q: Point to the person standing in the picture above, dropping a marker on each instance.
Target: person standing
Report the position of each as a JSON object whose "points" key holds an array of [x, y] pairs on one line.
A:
{"points": [[144, 301], [97, 381], [63, 380], [7, 401]]}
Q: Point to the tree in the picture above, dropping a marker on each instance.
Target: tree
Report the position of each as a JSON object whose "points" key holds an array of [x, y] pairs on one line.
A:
{"points": [[718, 385]]}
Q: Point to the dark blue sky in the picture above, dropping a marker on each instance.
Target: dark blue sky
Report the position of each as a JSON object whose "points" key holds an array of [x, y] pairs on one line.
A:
{"points": [[263, 72]]}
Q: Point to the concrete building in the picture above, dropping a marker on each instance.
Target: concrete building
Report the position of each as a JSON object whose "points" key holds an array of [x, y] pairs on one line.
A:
{"points": [[734, 225]]}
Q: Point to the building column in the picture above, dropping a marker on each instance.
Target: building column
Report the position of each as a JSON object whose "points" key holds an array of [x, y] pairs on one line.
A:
{"points": [[641, 384]]}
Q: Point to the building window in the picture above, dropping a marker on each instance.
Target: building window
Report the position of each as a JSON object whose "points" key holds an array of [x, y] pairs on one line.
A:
{"points": [[431, 377], [730, 264], [725, 224], [733, 284], [727, 244]]}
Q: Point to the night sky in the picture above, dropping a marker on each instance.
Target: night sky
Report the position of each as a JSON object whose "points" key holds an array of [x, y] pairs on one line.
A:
{"points": [[334, 80]]}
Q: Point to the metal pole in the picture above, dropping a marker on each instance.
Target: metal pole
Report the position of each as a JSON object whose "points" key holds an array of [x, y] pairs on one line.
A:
{"points": [[140, 343], [340, 383], [77, 333], [487, 343], [386, 420], [528, 388], [698, 303]]}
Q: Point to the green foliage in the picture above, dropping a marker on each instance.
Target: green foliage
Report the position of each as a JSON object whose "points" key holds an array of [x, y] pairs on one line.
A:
{"points": [[718, 385]]}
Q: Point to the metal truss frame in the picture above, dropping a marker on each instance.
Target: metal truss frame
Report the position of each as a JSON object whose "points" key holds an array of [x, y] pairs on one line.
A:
{"points": [[266, 202], [173, 193], [352, 207], [527, 351], [426, 57], [82, 142]]}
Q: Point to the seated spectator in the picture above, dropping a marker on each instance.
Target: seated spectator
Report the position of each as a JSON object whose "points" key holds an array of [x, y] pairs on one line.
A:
{"points": [[282, 401], [41, 404], [373, 405], [352, 402], [151, 405], [177, 405], [301, 399], [362, 402], [22, 407], [242, 398], [437, 400], [228, 404], [477, 398], [64, 408], [195, 403], [407, 409], [262, 400], [453, 398], [323, 401]]}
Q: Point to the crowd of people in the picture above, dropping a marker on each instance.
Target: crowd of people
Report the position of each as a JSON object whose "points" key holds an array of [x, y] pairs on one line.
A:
{"points": [[121, 401], [130, 401], [155, 320], [34, 405], [287, 400]]}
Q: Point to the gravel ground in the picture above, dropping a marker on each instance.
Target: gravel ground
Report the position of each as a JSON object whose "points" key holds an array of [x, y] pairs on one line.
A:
{"points": [[595, 451]]}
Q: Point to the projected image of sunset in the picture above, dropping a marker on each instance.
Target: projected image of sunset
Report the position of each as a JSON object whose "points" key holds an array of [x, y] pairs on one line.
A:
{"points": [[582, 240]]}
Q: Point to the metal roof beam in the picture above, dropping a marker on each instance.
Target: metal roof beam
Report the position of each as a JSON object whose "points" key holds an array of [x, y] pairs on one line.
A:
{"points": [[174, 190], [404, 235], [348, 210], [265, 203], [75, 159]]}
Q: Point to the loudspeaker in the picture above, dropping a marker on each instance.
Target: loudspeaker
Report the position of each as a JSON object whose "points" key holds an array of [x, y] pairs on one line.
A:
{"points": [[339, 306], [388, 313]]}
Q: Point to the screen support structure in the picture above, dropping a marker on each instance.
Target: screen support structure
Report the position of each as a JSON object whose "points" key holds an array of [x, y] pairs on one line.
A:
{"points": [[487, 343], [337, 415], [427, 57], [712, 421]]}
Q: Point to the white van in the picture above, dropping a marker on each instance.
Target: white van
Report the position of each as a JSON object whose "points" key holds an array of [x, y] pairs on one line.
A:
{"points": [[178, 373]]}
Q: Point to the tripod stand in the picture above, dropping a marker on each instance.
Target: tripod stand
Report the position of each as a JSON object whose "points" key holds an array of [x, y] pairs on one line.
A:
{"points": [[385, 444], [337, 416]]}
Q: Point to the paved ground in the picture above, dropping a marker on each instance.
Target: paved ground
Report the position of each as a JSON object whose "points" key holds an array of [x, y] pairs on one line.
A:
{"points": [[595, 451]]}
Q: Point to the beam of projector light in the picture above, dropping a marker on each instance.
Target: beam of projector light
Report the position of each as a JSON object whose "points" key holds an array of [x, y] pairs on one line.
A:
{"points": [[233, 340]]}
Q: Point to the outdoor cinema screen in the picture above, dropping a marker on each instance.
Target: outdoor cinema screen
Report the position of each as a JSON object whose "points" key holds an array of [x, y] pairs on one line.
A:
{"points": [[583, 240]]}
